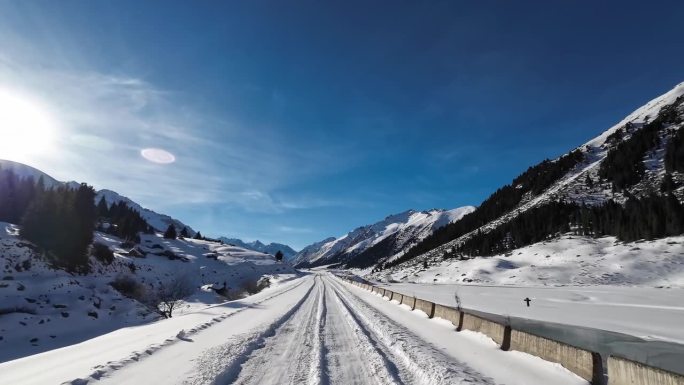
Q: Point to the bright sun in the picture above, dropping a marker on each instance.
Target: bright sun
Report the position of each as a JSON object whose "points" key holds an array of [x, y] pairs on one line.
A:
{"points": [[26, 128]]}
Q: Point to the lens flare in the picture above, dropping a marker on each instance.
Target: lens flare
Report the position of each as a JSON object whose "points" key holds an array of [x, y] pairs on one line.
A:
{"points": [[157, 155]]}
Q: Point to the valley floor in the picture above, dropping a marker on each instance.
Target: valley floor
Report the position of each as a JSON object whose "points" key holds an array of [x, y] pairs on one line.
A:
{"points": [[648, 313], [313, 330]]}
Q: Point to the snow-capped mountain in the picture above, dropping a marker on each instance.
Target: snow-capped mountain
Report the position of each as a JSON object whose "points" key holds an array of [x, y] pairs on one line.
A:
{"points": [[380, 240], [271, 248], [627, 160]]}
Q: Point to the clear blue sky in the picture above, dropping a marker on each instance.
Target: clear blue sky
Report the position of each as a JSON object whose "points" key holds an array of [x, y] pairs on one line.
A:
{"points": [[293, 121]]}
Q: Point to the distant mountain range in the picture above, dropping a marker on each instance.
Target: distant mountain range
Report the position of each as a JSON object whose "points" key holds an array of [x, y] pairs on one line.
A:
{"points": [[257, 245], [383, 240], [627, 182]]}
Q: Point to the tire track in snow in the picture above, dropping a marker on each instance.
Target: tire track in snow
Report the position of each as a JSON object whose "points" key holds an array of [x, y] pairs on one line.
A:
{"points": [[354, 357], [291, 354], [319, 373], [222, 364], [319, 344], [419, 361], [104, 370]]}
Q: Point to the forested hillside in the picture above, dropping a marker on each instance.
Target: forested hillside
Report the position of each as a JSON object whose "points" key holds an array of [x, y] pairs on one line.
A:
{"points": [[626, 183]]}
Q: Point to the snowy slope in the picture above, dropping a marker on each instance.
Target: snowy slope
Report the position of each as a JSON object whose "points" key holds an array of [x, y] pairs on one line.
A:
{"points": [[43, 308], [406, 228], [565, 261], [572, 185], [271, 248], [158, 221]]}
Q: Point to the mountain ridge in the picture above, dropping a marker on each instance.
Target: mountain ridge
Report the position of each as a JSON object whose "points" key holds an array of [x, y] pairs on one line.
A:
{"points": [[158, 221], [592, 174], [270, 248], [405, 228]]}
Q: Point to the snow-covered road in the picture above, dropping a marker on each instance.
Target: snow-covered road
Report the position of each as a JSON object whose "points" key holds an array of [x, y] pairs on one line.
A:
{"points": [[315, 330]]}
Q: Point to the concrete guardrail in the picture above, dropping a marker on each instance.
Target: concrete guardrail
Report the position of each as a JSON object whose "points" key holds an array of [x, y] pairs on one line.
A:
{"points": [[584, 363], [622, 371], [491, 329], [449, 314], [408, 301], [426, 307]]}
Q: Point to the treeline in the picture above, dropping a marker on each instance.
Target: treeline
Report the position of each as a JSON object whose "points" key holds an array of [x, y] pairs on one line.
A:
{"points": [[535, 180], [121, 220], [650, 217], [624, 164], [674, 152], [623, 167], [60, 220], [16, 194]]}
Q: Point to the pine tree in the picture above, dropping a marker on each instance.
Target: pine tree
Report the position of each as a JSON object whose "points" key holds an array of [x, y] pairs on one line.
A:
{"points": [[279, 255], [170, 232], [198, 235], [102, 208], [589, 182], [61, 221], [184, 233], [668, 184]]}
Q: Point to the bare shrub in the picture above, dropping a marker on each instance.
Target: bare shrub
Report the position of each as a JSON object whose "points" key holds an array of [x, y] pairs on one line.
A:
{"points": [[102, 253], [253, 287], [129, 287], [171, 294]]}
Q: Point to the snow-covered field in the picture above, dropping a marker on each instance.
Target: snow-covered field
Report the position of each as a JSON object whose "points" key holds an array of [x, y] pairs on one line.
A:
{"points": [[43, 308], [633, 288], [647, 313], [311, 330], [568, 260]]}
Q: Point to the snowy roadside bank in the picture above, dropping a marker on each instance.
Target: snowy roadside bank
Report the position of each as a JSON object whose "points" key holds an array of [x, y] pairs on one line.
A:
{"points": [[122, 347]]}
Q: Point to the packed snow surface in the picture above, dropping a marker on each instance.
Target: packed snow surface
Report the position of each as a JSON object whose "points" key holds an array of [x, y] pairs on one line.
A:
{"points": [[312, 330]]}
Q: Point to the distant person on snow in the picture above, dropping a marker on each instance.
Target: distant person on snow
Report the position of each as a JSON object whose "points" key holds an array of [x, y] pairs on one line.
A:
{"points": [[528, 300]]}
